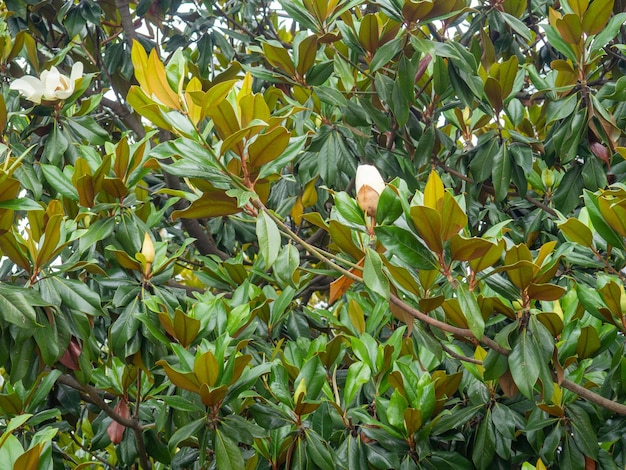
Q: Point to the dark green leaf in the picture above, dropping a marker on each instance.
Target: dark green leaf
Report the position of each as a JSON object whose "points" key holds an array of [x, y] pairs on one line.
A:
{"points": [[406, 246]]}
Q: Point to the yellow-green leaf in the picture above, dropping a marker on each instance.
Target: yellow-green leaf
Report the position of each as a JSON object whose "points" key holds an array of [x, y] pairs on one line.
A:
{"points": [[185, 328], [588, 342], [434, 191], [184, 380], [597, 16], [452, 217], [342, 236], [157, 82], [546, 291], [307, 50], [413, 11], [577, 232], [253, 108], [369, 32], [356, 316], [212, 203], [427, 222], [468, 249], [268, 146], [279, 57], [552, 321], [216, 94], [140, 63], [571, 28], [146, 107], [206, 369], [614, 214], [453, 312], [521, 273]]}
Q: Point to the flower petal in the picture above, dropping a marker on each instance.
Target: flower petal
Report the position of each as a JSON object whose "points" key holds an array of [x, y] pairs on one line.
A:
{"points": [[77, 71], [30, 87]]}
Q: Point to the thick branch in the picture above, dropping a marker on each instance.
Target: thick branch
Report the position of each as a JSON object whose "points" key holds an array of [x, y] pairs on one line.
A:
{"points": [[126, 116], [127, 21], [594, 397]]}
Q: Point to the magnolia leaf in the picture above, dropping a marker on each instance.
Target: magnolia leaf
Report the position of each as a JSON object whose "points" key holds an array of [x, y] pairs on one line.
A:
{"points": [[577, 232], [269, 238]]}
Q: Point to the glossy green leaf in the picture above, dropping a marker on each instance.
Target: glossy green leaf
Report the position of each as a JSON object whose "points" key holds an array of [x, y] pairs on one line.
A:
{"points": [[269, 238], [470, 308], [373, 275], [406, 246], [358, 375]]}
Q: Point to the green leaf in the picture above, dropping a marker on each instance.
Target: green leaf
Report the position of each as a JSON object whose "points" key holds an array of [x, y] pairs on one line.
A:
{"points": [[86, 129], [501, 173], [599, 223], [319, 451], [188, 431], [406, 246], [607, 34], [385, 53], [567, 195], [556, 41], [55, 147], [517, 25], [76, 295], [524, 363], [21, 204], [583, 431], [269, 238], [15, 309], [348, 210], [358, 375], [286, 265], [227, 453], [61, 183], [471, 310], [484, 444], [373, 275]]}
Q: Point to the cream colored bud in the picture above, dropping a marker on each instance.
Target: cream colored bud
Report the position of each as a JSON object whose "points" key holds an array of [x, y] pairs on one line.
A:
{"points": [[369, 175], [147, 249], [369, 186]]}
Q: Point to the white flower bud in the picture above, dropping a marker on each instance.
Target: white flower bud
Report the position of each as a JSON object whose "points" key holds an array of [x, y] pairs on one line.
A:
{"points": [[369, 186], [369, 175]]}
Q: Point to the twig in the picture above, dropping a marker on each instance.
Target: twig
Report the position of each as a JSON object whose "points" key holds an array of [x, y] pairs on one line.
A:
{"points": [[132, 423]]}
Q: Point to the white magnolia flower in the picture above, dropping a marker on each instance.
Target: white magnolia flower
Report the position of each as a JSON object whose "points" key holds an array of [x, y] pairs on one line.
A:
{"points": [[369, 186], [51, 86]]}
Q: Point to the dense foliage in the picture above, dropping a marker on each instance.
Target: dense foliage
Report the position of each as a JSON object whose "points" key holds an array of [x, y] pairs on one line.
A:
{"points": [[188, 281]]}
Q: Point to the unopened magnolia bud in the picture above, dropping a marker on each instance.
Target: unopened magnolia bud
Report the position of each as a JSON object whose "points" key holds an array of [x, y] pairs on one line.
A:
{"points": [[147, 249], [369, 186]]}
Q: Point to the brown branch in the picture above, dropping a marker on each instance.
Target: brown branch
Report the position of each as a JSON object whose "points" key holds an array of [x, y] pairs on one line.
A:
{"points": [[460, 357], [93, 394], [127, 21], [594, 397], [126, 116]]}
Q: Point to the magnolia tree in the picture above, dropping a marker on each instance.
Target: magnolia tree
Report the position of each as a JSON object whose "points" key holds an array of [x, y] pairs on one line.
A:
{"points": [[312, 234]]}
